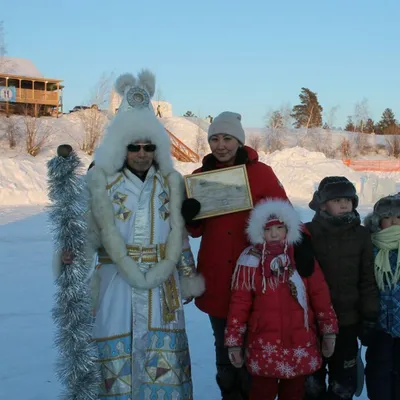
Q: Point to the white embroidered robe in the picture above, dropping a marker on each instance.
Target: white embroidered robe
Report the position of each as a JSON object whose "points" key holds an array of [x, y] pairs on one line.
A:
{"points": [[141, 338]]}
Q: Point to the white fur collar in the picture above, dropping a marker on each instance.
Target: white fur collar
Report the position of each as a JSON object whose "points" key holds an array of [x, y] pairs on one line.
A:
{"points": [[111, 239]]}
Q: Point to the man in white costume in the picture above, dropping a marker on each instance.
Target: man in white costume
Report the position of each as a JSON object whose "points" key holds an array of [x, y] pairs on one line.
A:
{"points": [[145, 266]]}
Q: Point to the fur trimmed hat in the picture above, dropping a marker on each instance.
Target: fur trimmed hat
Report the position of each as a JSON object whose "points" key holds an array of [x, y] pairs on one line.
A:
{"points": [[333, 187], [134, 121], [229, 123], [388, 206], [272, 209]]}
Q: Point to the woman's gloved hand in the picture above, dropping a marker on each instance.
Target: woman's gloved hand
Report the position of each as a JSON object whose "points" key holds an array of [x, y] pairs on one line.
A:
{"points": [[189, 210]]}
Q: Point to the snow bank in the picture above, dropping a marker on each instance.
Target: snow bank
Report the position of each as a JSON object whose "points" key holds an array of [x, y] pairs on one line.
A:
{"points": [[300, 172], [22, 182], [23, 179]]}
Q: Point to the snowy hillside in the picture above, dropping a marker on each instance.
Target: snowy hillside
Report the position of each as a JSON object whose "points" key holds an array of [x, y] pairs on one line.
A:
{"points": [[23, 177]]}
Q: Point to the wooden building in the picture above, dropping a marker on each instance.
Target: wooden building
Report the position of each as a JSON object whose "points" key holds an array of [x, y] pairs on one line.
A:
{"points": [[23, 89]]}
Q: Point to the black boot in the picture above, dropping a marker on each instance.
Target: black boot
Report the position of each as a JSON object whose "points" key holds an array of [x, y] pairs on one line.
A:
{"points": [[315, 388], [234, 383]]}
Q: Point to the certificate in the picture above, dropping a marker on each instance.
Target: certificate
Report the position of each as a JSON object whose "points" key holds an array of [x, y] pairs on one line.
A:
{"points": [[222, 191]]}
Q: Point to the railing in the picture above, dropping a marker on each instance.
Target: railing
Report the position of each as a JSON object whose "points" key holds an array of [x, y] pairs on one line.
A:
{"points": [[182, 152], [37, 96], [373, 165]]}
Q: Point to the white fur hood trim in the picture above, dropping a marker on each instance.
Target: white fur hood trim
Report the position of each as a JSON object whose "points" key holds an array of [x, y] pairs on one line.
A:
{"points": [[133, 124], [279, 209]]}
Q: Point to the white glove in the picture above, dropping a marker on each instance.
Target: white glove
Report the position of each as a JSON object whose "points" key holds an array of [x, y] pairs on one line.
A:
{"points": [[328, 345], [236, 356]]}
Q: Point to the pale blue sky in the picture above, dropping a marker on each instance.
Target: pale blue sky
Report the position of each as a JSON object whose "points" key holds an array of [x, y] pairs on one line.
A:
{"points": [[210, 56]]}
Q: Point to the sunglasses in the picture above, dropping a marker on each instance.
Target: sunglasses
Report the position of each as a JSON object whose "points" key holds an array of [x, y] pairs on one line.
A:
{"points": [[148, 148]]}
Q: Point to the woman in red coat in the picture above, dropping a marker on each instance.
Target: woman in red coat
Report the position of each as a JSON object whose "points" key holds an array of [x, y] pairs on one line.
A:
{"points": [[223, 238], [276, 308]]}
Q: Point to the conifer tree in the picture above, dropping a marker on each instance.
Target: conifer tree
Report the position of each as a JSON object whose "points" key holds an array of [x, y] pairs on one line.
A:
{"points": [[307, 114]]}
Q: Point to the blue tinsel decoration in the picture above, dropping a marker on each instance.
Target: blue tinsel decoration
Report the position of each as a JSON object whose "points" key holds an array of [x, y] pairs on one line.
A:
{"points": [[76, 367]]}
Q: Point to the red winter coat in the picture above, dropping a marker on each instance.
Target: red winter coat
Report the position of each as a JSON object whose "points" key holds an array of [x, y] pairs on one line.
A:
{"points": [[224, 238], [278, 344]]}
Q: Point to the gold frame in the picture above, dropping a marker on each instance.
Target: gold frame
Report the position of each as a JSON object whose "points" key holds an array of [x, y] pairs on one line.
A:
{"points": [[243, 181]]}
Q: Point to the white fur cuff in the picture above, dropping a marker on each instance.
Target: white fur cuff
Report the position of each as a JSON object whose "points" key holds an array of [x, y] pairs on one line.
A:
{"points": [[192, 286]]}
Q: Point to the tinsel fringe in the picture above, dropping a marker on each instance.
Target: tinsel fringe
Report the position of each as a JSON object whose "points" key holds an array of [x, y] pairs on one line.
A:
{"points": [[76, 367]]}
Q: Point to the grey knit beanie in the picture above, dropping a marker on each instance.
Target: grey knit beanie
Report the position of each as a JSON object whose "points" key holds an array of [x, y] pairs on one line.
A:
{"points": [[388, 206], [228, 123]]}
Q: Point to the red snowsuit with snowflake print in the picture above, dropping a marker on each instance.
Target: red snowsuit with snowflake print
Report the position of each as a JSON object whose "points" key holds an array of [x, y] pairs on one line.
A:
{"points": [[278, 324], [278, 345]]}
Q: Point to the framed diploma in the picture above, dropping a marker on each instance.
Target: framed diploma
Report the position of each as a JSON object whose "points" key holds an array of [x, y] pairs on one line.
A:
{"points": [[222, 191]]}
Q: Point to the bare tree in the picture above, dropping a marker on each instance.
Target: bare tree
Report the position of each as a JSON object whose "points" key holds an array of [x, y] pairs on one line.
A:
{"points": [[346, 148], [361, 114], [36, 131], [12, 130], [255, 141], [331, 116], [277, 122], [279, 118], [3, 47], [5, 64], [361, 143], [393, 144], [95, 118], [274, 141], [322, 140], [201, 141]]}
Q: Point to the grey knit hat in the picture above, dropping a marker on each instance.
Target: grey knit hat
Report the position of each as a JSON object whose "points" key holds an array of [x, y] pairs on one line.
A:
{"points": [[388, 206], [333, 187], [229, 123]]}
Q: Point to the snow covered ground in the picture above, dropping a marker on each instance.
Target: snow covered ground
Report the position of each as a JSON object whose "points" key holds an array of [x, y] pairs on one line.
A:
{"points": [[26, 298]]}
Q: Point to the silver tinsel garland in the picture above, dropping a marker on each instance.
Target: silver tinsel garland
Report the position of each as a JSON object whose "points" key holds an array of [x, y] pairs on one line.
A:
{"points": [[72, 313]]}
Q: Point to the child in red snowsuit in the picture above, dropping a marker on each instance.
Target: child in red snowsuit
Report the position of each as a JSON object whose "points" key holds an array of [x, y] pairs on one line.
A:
{"points": [[274, 310]]}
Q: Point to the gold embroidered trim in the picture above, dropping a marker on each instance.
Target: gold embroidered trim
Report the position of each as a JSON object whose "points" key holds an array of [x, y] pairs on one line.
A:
{"points": [[104, 339], [101, 360], [110, 185], [153, 194], [186, 267], [142, 254], [170, 300], [165, 306], [113, 395]]}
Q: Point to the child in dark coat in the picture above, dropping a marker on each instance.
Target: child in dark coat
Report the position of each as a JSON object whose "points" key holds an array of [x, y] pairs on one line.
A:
{"points": [[343, 249]]}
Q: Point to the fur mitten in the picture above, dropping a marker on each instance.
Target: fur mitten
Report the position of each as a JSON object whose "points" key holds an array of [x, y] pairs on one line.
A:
{"points": [[190, 208]]}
